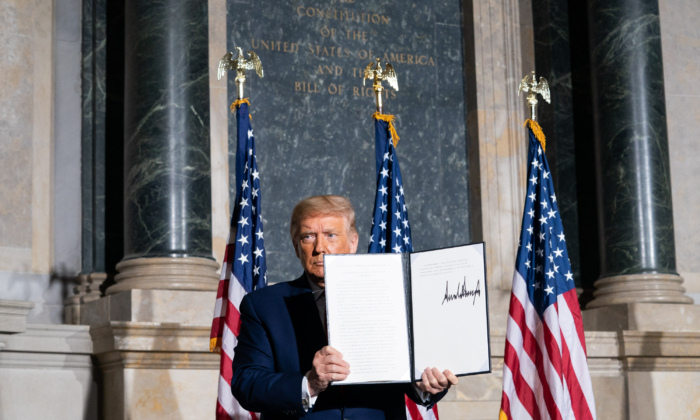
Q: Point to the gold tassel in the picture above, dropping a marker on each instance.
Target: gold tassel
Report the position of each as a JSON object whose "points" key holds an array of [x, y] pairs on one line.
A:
{"points": [[215, 345], [537, 131], [390, 119], [238, 102]]}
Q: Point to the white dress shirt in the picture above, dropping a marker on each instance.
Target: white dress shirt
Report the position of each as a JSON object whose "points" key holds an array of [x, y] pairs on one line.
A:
{"points": [[307, 400]]}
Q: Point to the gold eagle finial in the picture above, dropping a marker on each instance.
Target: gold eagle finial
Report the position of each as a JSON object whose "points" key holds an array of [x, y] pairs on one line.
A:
{"points": [[377, 75], [530, 84], [240, 64]]}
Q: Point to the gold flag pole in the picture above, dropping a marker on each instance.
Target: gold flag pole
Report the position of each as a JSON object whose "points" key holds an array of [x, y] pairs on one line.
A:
{"points": [[377, 75], [240, 64]]}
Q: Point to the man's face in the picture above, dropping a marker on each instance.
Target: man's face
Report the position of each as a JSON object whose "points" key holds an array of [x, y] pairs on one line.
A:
{"points": [[322, 234]]}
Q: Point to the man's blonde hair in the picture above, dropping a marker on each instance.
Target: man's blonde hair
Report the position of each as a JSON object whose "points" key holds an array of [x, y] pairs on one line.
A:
{"points": [[322, 205]]}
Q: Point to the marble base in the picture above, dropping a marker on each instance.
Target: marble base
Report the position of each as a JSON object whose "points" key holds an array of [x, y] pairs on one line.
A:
{"points": [[46, 372], [658, 288], [156, 370], [189, 273], [170, 306]]}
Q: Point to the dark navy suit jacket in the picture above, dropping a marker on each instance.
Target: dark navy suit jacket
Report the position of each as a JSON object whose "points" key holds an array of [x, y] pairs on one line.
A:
{"points": [[281, 332]]}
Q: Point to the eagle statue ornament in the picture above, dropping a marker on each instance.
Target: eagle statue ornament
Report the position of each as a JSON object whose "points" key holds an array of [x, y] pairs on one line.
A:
{"points": [[240, 64], [530, 85], [378, 75]]}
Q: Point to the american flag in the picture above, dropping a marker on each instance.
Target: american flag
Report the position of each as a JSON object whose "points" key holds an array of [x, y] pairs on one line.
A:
{"points": [[244, 268], [391, 231], [545, 373]]}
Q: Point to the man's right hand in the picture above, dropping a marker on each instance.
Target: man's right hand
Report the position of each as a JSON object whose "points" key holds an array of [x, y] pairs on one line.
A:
{"points": [[328, 366]]}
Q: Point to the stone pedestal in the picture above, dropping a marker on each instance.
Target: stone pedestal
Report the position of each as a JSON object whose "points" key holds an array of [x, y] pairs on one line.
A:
{"points": [[155, 370], [644, 360], [168, 306]]}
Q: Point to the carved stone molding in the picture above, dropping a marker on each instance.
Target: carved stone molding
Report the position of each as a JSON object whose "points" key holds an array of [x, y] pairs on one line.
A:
{"points": [[189, 273], [653, 288], [87, 290], [13, 315]]}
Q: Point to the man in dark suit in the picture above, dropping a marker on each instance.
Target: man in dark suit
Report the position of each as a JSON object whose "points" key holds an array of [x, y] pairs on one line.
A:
{"points": [[282, 365]]}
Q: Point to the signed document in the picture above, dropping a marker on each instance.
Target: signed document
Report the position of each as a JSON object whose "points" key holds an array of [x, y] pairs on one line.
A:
{"points": [[393, 315]]}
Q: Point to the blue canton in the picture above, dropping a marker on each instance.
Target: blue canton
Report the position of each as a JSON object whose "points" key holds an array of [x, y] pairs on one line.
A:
{"points": [[542, 258], [391, 231], [248, 251]]}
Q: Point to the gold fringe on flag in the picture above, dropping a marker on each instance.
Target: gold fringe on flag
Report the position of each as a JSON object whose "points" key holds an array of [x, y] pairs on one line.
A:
{"points": [[537, 131], [239, 102], [215, 345], [390, 119]]}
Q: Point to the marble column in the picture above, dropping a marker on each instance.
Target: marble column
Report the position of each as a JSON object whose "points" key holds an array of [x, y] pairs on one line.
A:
{"points": [[92, 159], [167, 187], [638, 262]]}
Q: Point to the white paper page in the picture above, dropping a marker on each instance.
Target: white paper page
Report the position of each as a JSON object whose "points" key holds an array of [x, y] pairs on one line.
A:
{"points": [[367, 315], [449, 310]]}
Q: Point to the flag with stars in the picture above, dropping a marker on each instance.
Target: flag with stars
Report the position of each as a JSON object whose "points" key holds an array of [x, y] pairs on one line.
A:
{"points": [[244, 268], [391, 231], [545, 372]]}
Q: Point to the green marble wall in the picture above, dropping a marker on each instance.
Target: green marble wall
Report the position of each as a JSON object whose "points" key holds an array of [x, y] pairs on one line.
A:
{"points": [[632, 164], [167, 187]]}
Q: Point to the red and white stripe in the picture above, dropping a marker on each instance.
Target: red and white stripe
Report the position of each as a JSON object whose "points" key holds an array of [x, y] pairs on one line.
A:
{"points": [[225, 328], [418, 412], [545, 372]]}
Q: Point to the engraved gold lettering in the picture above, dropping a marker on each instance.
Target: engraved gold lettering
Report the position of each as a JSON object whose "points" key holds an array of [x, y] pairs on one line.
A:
{"points": [[431, 62], [335, 90], [306, 87], [337, 14], [422, 61], [410, 59]]}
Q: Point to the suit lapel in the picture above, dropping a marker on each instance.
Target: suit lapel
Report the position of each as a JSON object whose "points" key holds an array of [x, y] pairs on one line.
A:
{"points": [[308, 329]]}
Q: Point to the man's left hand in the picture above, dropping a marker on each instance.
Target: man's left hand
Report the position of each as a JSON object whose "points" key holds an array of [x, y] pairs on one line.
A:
{"points": [[434, 381]]}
